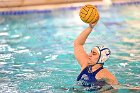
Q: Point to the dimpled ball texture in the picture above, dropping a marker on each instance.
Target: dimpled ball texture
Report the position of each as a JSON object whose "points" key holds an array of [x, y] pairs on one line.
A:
{"points": [[89, 14]]}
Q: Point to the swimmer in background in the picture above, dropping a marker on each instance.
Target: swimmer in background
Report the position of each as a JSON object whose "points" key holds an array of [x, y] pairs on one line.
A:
{"points": [[92, 69]]}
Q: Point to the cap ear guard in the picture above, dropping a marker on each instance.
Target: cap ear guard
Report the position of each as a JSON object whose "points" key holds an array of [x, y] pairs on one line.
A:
{"points": [[108, 52]]}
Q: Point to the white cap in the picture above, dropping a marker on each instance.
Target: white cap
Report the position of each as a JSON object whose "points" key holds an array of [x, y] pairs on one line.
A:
{"points": [[104, 54]]}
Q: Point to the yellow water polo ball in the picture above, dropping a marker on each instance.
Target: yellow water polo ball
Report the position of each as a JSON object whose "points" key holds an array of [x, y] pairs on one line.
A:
{"points": [[89, 14]]}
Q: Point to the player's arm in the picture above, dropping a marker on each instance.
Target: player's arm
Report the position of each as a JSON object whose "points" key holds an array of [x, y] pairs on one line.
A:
{"points": [[79, 51], [110, 78]]}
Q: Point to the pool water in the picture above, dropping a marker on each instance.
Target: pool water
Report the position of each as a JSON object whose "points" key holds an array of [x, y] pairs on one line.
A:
{"points": [[36, 49]]}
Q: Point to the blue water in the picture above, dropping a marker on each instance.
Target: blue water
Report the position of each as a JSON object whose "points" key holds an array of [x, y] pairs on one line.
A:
{"points": [[36, 50]]}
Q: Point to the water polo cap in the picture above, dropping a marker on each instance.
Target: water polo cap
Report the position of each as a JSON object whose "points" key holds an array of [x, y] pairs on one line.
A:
{"points": [[104, 54]]}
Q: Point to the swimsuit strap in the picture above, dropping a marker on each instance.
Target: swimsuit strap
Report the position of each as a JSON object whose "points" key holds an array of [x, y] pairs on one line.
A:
{"points": [[96, 71]]}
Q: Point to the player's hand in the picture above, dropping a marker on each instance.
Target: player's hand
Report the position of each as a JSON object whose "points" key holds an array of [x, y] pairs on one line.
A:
{"points": [[91, 25]]}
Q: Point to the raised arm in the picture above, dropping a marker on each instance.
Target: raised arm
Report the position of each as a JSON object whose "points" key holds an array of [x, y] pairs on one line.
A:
{"points": [[79, 52]]}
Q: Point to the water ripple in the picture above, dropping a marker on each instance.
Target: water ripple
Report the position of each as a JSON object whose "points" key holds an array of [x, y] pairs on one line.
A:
{"points": [[7, 88], [51, 57], [27, 70], [6, 72], [4, 33], [5, 56], [22, 51], [16, 66]]}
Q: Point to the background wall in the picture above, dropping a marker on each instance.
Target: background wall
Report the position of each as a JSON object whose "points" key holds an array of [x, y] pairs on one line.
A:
{"points": [[19, 3], [15, 3]]}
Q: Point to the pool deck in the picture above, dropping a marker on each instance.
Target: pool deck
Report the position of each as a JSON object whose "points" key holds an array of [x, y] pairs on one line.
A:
{"points": [[56, 6]]}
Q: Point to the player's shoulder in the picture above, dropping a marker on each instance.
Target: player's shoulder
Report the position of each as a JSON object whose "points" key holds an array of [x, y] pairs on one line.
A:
{"points": [[105, 72]]}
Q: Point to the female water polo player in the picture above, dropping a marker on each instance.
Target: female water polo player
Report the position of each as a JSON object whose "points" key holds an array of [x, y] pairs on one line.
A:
{"points": [[92, 70]]}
